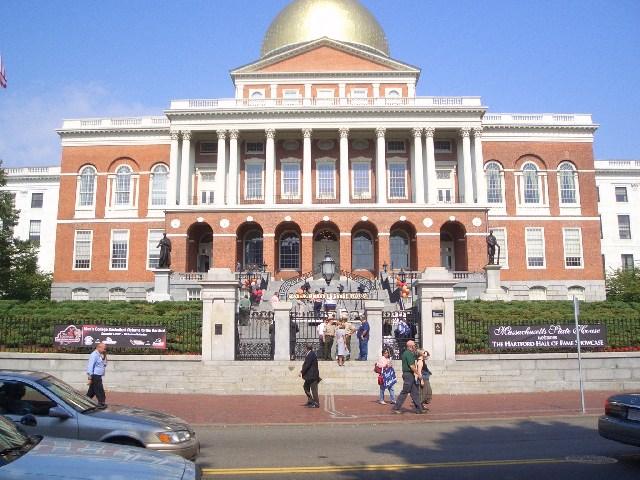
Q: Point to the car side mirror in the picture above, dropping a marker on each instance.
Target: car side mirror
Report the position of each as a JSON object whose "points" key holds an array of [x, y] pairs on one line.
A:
{"points": [[58, 412], [28, 420]]}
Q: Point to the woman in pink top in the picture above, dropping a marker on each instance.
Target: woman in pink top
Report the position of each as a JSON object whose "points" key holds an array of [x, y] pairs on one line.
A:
{"points": [[385, 365]]}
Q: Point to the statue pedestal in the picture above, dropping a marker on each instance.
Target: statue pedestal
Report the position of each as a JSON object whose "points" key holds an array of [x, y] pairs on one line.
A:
{"points": [[494, 291], [162, 286]]}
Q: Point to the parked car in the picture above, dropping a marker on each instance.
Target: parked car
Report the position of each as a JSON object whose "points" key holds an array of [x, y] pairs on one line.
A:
{"points": [[45, 405], [23, 456], [621, 419]]}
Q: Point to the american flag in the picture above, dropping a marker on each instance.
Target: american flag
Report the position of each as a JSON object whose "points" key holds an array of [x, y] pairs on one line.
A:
{"points": [[3, 75]]}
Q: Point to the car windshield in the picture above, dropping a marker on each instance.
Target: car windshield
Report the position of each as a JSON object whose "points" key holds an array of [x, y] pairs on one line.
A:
{"points": [[68, 394], [10, 436]]}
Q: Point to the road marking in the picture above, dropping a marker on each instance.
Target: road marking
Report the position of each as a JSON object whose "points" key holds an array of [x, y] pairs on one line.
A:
{"points": [[330, 407], [210, 472]]}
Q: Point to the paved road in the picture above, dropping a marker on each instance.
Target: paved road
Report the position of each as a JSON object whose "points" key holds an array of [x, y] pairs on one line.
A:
{"points": [[554, 448]]}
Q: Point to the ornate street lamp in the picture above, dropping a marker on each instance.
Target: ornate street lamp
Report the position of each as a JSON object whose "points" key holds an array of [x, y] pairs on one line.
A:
{"points": [[328, 267], [402, 275], [384, 267]]}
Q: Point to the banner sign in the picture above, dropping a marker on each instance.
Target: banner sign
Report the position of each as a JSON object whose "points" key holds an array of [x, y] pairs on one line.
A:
{"points": [[523, 337], [112, 336], [326, 296]]}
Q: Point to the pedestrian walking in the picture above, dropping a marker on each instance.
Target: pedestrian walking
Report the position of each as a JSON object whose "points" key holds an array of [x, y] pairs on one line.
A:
{"points": [[409, 379], [311, 376], [425, 386], [341, 346], [363, 339], [96, 367], [386, 376]]}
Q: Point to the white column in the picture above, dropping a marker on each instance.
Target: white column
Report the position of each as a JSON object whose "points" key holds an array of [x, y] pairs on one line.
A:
{"points": [[418, 169], [221, 167], [307, 188], [481, 184], [270, 165], [466, 161], [185, 169], [432, 194], [232, 184], [174, 166], [381, 166], [344, 166]]}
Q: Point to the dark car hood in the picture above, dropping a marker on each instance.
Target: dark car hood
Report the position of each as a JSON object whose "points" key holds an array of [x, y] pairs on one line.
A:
{"points": [[56, 458], [631, 399], [140, 415]]}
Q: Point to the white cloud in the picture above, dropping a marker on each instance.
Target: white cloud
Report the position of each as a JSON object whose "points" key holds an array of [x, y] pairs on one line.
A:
{"points": [[28, 122]]}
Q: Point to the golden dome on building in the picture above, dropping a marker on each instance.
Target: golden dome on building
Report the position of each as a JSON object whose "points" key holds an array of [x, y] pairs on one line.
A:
{"points": [[343, 20]]}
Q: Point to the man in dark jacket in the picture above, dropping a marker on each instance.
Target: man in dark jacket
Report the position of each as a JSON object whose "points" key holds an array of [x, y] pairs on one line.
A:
{"points": [[311, 376]]}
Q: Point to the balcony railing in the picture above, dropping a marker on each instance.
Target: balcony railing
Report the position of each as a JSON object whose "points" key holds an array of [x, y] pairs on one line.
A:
{"points": [[536, 119]]}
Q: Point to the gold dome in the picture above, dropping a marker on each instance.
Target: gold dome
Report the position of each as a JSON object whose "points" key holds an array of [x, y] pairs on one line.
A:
{"points": [[343, 20]]}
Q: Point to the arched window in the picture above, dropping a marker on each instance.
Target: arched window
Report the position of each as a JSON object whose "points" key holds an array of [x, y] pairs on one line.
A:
{"points": [[289, 251], [537, 293], [117, 294], [253, 249], [79, 294], [576, 291], [362, 251], [567, 183], [87, 188], [399, 245], [493, 174], [159, 181], [123, 185], [531, 185]]}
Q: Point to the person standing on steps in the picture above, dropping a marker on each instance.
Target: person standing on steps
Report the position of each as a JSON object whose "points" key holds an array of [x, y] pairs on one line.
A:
{"points": [[96, 367], [363, 339], [409, 382], [311, 375]]}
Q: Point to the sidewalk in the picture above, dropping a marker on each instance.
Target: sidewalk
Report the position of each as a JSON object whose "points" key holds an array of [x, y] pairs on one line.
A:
{"points": [[269, 410]]}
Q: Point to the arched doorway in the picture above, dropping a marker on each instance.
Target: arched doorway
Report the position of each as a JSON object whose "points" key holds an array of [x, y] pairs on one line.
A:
{"points": [[199, 247], [453, 246], [364, 247], [326, 238], [402, 246], [249, 252]]}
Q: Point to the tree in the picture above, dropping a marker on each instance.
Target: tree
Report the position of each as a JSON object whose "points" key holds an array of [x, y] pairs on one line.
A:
{"points": [[20, 277], [624, 285]]}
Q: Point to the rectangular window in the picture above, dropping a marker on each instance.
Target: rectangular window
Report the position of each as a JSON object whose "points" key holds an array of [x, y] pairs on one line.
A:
{"points": [[290, 93], [193, 294], [82, 250], [254, 147], [624, 227], [572, 247], [119, 249], [598, 192], [396, 146], [291, 180], [359, 93], [34, 232], [442, 146], [326, 180], [397, 180], [207, 197], [627, 261], [443, 174], [12, 196], [208, 148], [36, 200], [621, 195], [254, 181], [534, 240], [153, 252], [444, 195], [361, 180], [502, 253]]}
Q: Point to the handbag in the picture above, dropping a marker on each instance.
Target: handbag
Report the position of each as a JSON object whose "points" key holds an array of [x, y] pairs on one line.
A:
{"points": [[377, 369], [380, 379]]}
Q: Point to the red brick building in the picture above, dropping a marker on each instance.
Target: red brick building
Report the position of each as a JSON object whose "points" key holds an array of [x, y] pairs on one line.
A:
{"points": [[325, 146]]}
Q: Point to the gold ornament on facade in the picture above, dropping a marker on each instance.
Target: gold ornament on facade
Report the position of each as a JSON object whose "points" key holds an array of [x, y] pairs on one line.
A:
{"points": [[343, 20]]}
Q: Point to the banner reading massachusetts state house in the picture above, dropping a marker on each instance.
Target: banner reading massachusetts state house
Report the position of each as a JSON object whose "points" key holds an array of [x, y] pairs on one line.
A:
{"points": [[550, 336]]}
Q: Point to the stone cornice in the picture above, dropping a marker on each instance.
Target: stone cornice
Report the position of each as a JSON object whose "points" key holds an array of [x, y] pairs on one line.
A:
{"points": [[101, 131]]}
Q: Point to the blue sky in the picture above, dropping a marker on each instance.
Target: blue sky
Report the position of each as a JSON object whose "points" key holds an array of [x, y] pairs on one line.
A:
{"points": [[69, 59]]}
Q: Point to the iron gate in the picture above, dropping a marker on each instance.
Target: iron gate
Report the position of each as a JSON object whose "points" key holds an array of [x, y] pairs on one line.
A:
{"points": [[398, 327], [255, 336], [303, 330]]}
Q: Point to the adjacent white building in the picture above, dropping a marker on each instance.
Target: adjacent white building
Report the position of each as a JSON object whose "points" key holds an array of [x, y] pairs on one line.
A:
{"points": [[618, 186], [35, 193]]}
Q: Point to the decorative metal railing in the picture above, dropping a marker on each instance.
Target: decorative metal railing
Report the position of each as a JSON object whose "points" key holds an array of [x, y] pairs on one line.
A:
{"points": [[255, 336]]}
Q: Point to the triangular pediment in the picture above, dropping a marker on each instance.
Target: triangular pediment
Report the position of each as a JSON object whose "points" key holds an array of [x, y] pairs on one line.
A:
{"points": [[325, 56]]}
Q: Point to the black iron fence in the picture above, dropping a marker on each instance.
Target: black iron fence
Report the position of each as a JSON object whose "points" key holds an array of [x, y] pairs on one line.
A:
{"points": [[303, 330], [255, 336], [398, 327], [472, 335], [36, 335]]}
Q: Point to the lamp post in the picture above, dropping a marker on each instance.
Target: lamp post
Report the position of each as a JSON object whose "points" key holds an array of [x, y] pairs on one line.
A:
{"points": [[328, 267], [402, 275], [384, 267]]}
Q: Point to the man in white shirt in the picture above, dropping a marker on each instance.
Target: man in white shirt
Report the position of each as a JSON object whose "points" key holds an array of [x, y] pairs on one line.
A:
{"points": [[320, 332]]}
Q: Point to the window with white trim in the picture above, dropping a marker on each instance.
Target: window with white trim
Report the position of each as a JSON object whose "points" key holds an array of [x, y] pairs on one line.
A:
{"points": [[290, 185], [117, 294], [537, 294], [79, 294], [567, 184], [534, 242], [159, 185], [359, 93], [445, 195], [624, 227], [153, 251], [572, 240], [122, 190], [501, 239], [396, 146], [37, 199], [493, 174], [326, 180], [361, 180], [627, 262], [254, 180], [577, 292], [289, 251], [530, 184], [119, 249], [256, 94], [254, 148], [442, 146], [34, 231], [193, 294], [325, 96], [393, 92], [206, 187], [82, 249], [86, 187], [397, 180], [621, 195]]}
